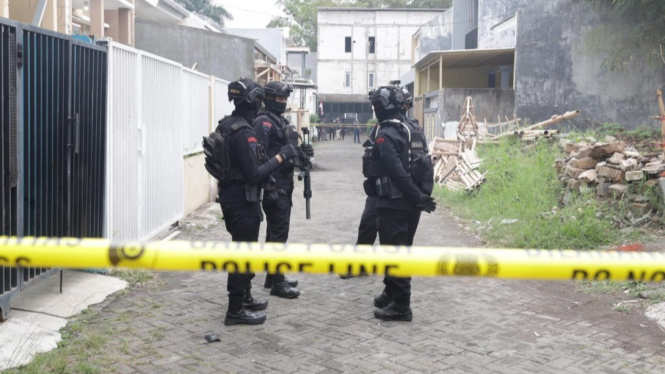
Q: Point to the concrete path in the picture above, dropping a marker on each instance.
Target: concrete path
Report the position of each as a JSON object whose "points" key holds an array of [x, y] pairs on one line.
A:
{"points": [[460, 325], [39, 313]]}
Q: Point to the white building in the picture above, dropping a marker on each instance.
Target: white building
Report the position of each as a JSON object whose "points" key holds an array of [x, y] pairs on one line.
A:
{"points": [[360, 49]]}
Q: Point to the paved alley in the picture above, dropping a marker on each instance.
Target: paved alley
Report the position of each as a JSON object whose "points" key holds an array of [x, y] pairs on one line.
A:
{"points": [[460, 325]]}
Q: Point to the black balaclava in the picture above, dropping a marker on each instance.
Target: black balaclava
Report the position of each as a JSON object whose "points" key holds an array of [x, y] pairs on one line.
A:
{"points": [[247, 110], [274, 106], [382, 114]]}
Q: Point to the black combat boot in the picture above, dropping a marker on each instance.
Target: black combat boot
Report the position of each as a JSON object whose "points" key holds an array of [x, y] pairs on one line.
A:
{"points": [[394, 312], [270, 280], [238, 315], [254, 304], [283, 290], [383, 300]]}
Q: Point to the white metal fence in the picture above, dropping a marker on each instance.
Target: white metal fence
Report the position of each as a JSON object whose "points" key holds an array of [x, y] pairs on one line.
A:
{"points": [[124, 143], [221, 101], [196, 100], [158, 113], [161, 119]]}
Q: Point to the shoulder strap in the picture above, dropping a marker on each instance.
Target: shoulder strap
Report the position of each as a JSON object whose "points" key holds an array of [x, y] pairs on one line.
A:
{"points": [[239, 124], [274, 117], [398, 125]]}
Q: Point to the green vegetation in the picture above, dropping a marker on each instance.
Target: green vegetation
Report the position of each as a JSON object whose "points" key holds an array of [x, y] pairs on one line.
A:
{"points": [[639, 294], [645, 138], [313, 118], [81, 350], [133, 277], [522, 184], [301, 15], [645, 42], [206, 8]]}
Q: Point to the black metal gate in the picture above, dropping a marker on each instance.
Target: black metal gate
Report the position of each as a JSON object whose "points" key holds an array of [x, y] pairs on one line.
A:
{"points": [[61, 138]]}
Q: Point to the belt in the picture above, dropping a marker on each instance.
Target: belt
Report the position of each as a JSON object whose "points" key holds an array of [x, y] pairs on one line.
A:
{"points": [[283, 175]]}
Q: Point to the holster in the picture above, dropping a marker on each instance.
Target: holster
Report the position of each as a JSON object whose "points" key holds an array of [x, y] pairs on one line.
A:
{"points": [[369, 187]]}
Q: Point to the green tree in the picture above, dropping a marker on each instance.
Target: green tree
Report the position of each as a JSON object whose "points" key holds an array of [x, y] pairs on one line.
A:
{"points": [[648, 34], [301, 14], [206, 7]]}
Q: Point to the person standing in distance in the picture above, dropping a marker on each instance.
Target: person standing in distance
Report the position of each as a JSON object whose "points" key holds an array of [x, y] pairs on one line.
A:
{"points": [[274, 132], [396, 172], [237, 161]]}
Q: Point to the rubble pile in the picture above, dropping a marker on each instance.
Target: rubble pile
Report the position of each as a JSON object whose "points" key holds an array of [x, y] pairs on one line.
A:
{"points": [[609, 166]]}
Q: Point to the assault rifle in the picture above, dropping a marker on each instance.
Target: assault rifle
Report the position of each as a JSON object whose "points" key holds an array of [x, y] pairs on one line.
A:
{"points": [[305, 166]]}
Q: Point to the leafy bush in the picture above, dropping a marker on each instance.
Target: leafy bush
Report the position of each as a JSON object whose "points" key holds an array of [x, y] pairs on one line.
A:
{"points": [[313, 118]]}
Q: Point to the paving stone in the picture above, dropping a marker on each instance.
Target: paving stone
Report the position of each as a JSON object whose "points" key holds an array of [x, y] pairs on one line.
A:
{"points": [[461, 325]]}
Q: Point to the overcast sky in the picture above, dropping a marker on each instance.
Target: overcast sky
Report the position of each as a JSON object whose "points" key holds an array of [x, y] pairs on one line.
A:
{"points": [[250, 13]]}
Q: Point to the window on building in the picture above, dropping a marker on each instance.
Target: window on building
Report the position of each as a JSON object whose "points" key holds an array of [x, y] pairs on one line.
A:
{"points": [[347, 79], [347, 44], [297, 71], [370, 80], [372, 43]]}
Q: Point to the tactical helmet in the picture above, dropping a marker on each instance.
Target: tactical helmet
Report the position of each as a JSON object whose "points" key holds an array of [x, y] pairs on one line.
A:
{"points": [[278, 89], [387, 97], [245, 90]]}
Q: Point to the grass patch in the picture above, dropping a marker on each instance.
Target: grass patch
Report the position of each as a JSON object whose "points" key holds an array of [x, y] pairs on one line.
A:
{"points": [[522, 184], [81, 350], [132, 276], [647, 293]]}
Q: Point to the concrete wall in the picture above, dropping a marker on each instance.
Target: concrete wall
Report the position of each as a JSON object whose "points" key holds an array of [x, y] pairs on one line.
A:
{"points": [[224, 56], [462, 22], [197, 182], [492, 33], [294, 60], [561, 46], [270, 39], [393, 31], [446, 106], [488, 103], [436, 35]]}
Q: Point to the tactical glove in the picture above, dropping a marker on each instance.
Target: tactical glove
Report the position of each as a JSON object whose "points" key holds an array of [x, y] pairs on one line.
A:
{"points": [[308, 149], [288, 152], [426, 203]]}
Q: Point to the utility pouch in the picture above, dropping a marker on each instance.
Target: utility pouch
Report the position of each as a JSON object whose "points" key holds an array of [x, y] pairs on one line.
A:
{"points": [[386, 188], [252, 193], [366, 162], [270, 191]]}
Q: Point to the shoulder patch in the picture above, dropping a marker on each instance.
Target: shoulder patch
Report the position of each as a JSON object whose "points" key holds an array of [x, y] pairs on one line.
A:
{"points": [[267, 124], [251, 140], [380, 140]]}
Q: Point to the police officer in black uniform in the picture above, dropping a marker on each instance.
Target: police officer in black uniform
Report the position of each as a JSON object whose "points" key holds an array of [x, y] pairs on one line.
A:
{"points": [[399, 168], [368, 228], [274, 132], [235, 158]]}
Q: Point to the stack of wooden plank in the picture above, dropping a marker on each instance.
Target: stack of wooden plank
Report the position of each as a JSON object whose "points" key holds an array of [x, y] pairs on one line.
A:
{"points": [[609, 166], [456, 166]]}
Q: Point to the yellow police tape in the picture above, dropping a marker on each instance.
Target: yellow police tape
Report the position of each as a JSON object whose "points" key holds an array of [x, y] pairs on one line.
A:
{"points": [[340, 259]]}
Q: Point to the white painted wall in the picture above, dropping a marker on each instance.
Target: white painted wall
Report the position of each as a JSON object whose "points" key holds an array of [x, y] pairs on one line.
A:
{"points": [[393, 31]]}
